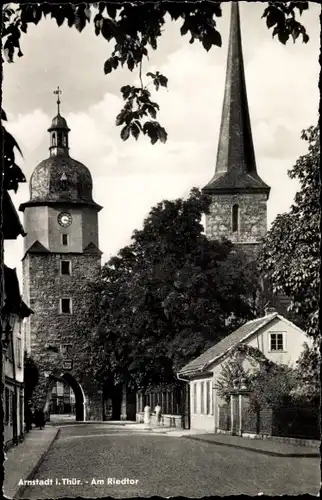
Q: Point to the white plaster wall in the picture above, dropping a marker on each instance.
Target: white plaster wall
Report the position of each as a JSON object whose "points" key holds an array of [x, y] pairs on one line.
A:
{"points": [[293, 346], [200, 420], [293, 339]]}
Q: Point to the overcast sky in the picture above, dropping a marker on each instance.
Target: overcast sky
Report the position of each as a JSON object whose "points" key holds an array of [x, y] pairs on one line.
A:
{"points": [[129, 178]]}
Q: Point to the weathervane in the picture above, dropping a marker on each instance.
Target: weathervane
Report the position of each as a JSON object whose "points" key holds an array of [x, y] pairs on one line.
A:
{"points": [[57, 92]]}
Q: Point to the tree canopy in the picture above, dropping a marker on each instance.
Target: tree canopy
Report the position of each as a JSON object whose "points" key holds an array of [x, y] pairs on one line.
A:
{"points": [[133, 29], [164, 298], [290, 255]]}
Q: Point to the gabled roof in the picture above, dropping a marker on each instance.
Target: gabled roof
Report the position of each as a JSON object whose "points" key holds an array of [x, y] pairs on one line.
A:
{"points": [[24, 311], [92, 248], [13, 303], [37, 247], [12, 227], [11, 290], [218, 350]]}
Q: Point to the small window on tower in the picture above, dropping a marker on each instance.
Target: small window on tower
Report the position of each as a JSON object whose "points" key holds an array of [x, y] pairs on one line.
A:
{"points": [[65, 267], [235, 218], [54, 139], [65, 306], [64, 239], [63, 181], [59, 139]]}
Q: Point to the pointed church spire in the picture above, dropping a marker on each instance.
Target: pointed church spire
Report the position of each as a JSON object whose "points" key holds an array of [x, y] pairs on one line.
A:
{"points": [[236, 165]]}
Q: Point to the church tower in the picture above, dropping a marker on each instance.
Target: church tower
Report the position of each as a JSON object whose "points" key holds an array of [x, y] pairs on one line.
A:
{"points": [[238, 209], [61, 246]]}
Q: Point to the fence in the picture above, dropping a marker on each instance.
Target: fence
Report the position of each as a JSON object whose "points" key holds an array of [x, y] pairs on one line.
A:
{"points": [[174, 402], [295, 422], [224, 418], [170, 401]]}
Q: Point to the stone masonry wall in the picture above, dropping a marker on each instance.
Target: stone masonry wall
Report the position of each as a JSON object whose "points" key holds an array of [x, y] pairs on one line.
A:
{"points": [[43, 287], [252, 217]]}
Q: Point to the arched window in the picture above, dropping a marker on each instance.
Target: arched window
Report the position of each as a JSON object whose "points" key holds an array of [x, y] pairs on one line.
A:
{"points": [[235, 218], [54, 139], [59, 139], [63, 181]]}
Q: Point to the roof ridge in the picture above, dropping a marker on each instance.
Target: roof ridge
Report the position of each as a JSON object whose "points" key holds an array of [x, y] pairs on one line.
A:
{"points": [[226, 340]]}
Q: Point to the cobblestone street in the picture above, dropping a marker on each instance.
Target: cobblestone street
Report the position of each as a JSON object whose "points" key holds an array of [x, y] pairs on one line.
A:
{"points": [[95, 455]]}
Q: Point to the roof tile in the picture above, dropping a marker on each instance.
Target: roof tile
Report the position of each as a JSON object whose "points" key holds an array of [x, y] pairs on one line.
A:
{"points": [[221, 347]]}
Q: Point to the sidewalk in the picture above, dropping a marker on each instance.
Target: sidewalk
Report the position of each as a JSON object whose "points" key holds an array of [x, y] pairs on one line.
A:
{"points": [[263, 446], [24, 459]]}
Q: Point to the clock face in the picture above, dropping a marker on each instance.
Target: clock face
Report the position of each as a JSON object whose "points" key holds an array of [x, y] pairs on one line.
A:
{"points": [[65, 219]]}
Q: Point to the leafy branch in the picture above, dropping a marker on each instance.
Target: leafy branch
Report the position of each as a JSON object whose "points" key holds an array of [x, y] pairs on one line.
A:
{"points": [[135, 28], [12, 172], [137, 107]]}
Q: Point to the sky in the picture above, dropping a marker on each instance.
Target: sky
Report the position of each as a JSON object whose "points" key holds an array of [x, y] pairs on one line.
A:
{"points": [[131, 177]]}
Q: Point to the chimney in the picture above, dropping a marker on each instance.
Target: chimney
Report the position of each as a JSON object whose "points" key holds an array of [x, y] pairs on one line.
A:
{"points": [[269, 309]]}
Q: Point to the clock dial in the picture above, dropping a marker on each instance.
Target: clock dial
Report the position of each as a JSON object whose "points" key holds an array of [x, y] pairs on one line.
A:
{"points": [[65, 219]]}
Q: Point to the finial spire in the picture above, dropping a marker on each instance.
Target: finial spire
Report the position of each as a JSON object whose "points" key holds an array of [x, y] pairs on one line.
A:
{"points": [[58, 131], [57, 92], [236, 165]]}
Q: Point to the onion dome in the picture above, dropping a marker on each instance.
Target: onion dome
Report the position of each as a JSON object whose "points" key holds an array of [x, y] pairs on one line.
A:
{"points": [[60, 178]]}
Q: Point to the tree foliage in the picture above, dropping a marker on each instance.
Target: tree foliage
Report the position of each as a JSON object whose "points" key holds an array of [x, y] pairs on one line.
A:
{"points": [[308, 375], [133, 29], [272, 386], [163, 299], [31, 376], [267, 383], [290, 256], [12, 173]]}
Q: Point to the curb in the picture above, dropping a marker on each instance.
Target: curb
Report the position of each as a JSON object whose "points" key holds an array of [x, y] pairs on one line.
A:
{"points": [[22, 488], [82, 422], [255, 450]]}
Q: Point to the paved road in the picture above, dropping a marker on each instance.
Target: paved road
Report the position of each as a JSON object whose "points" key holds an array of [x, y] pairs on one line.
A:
{"points": [[163, 465]]}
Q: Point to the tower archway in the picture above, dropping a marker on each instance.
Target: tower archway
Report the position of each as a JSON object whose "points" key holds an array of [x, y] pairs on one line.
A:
{"points": [[80, 398]]}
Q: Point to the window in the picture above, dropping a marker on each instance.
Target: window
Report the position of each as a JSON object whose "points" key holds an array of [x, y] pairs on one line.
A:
{"points": [[18, 351], [66, 350], [60, 389], [65, 306], [202, 397], [195, 398], [64, 239], [276, 342], [235, 218], [54, 139], [208, 396], [65, 267], [64, 181]]}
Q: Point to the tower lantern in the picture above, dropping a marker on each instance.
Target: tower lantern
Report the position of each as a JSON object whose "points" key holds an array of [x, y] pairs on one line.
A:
{"points": [[58, 131]]}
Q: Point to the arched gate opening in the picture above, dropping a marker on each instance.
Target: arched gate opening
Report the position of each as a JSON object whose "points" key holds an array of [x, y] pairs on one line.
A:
{"points": [[77, 406]]}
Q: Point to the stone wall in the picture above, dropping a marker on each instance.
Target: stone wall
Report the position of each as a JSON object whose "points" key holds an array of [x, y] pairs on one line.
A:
{"points": [[252, 217], [166, 420], [43, 287]]}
